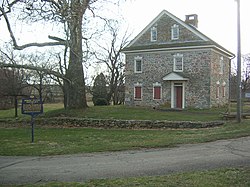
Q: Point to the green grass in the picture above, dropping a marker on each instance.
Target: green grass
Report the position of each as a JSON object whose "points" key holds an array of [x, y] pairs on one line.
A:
{"points": [[55, 141], [10, 113], [227, 177], [138, 113], [122, 112]]}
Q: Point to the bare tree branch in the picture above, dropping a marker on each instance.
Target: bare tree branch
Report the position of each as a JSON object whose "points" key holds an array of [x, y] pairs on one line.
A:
{"points": [[36, 68], [56, 38], [20, 47]]}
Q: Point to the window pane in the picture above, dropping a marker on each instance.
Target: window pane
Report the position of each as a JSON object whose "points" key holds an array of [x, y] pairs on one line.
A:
{"points": [[178, 63], [138, 66], [175, 32], [153, 34]]}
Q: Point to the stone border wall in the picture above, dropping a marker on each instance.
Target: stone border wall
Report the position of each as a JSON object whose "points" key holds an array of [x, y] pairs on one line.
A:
{"points": [[124, 124]]}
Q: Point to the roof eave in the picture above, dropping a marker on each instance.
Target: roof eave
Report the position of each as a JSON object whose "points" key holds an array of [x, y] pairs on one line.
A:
{"points": [[228, 53]]}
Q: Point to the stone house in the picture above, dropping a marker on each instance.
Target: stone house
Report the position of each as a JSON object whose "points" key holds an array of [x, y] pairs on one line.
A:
{"points": [[170, 62]]}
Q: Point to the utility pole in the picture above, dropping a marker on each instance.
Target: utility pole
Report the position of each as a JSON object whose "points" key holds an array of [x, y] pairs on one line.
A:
{"points": [[239, 101]]}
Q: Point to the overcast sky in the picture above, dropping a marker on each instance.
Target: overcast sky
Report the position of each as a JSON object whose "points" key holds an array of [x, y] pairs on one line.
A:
{"points": [[217, 18]]}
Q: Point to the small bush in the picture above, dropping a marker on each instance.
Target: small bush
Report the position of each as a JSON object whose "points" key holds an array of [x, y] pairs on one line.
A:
{"points": [[100, 102]]}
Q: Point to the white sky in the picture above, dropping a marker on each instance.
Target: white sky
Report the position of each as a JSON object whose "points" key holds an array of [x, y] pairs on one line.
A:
{"points": [[217, 18]]}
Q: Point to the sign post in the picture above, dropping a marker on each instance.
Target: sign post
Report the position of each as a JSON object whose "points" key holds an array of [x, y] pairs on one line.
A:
{"points": [[32, 106]]}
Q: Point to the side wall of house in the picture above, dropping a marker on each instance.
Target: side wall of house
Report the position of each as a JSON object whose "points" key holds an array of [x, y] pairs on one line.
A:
{"points": [[220, 68]]}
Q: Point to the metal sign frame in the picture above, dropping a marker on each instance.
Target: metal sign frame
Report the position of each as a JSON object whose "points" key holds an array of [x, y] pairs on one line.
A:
{"points": [[33, 107]]}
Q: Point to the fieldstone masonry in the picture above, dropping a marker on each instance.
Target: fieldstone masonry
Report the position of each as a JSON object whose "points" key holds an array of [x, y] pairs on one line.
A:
{"points": [[66, 122], [132, 124]]}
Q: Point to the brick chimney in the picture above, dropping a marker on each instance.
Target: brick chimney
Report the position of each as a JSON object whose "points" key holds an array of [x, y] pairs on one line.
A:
{"points": [[192, 19]]}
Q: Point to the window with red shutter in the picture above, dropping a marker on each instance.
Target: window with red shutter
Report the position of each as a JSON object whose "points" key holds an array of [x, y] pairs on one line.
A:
{"points": [[157, 92], [138, 92]]}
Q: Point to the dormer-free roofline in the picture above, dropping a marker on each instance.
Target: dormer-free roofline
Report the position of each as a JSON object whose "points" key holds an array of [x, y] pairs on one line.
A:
{"points": [[204, 43], [189, 27]]}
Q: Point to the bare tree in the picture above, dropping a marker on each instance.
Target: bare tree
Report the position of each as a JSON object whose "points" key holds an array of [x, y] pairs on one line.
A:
{"points": [[245, 76], [70, 14], [112, 57], [246, 73], [40, 80], [13, 83]]}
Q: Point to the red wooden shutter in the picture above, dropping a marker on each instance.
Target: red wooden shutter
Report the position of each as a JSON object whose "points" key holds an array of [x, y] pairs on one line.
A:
{"points": [[138, 92], [217, 91], [157, 92]]}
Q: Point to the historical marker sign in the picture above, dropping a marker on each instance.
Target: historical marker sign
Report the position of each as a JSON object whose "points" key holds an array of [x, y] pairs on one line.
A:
{"points": [[32, 106]]}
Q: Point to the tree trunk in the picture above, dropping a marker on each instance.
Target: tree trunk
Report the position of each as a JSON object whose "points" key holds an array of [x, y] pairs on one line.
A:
{"points": [[16, 106], [76, 94]]}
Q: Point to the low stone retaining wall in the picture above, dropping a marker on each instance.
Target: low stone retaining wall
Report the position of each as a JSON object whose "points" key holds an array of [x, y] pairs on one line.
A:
{"points": [[126, 124]]}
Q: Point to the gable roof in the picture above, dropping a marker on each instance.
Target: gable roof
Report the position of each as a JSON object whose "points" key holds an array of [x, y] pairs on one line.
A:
{"points": [[205, 41]]}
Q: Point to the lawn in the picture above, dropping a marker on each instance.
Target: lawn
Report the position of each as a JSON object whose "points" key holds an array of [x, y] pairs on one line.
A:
{"points": [[56, 141], [11, 112], [221, 177], [124, 112], [16, 141]]}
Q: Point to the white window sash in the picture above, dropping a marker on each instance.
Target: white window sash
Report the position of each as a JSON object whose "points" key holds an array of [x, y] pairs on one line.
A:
{"points": [[153, 34], [175, 32], [178, 63], [136, 61]]}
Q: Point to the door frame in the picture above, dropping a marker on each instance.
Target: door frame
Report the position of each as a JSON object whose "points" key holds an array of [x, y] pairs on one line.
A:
{"points": [[173, 99]]}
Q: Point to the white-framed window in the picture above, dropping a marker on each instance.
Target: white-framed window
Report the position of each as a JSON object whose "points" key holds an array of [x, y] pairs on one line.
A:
{"points": [[221, 65], [178, 62], [138, 91], [157, 91], [153, 34], [138, 64], [175, 32]]}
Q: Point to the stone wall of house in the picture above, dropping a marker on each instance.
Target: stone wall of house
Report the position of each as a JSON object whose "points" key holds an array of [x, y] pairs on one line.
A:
{"points": [[155, 66], [159, 64], [219, 80], [163, 26], [197, 66]]}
